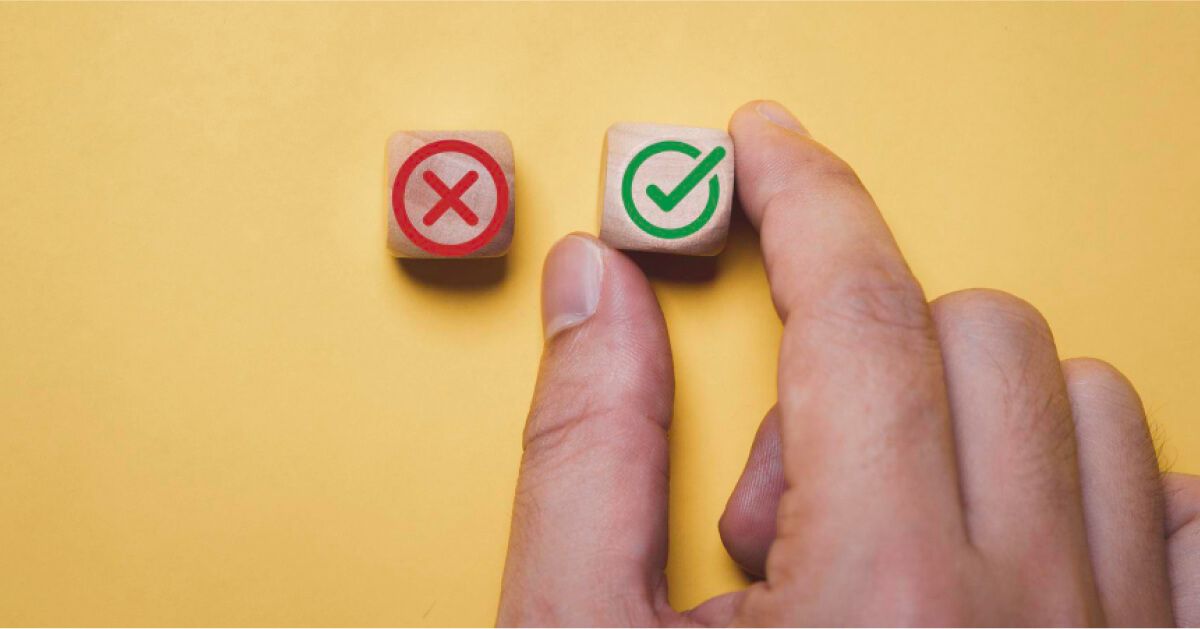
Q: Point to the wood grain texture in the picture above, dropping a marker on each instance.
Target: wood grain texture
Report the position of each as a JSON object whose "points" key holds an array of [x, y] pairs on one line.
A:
{"points": [[420, 197], [666, 171]]}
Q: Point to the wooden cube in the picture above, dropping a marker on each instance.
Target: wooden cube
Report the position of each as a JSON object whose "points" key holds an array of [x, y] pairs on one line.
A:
{"points": [[450, 194], [667, 189]]}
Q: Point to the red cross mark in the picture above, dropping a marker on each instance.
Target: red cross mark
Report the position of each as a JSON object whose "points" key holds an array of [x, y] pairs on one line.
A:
{"points": [[450, 198]]}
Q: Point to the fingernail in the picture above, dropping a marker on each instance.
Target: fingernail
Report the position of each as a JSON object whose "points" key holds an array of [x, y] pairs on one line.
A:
{"points": [[571, 283], [779, 115]]}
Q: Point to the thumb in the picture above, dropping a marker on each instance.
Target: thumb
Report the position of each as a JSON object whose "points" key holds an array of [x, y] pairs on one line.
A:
{"points": [[589, 532]]}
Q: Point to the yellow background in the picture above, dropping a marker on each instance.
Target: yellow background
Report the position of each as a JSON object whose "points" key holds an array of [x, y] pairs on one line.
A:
{"points": [[222, 402]]}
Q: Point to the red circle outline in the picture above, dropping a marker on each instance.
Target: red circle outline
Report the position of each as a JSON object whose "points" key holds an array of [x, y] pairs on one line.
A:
{"points": [[450, 146]]}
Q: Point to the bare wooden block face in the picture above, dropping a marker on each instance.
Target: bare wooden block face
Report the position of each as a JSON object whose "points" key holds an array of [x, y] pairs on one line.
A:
{"points": [[450, 194], [667, 189]]}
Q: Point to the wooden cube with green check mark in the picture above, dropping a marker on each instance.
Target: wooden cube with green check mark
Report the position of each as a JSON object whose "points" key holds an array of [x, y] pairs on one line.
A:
{"points": [[667, 189]]}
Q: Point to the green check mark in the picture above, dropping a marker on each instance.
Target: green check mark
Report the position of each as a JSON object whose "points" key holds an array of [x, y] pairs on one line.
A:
{"points": [[668, 201]]}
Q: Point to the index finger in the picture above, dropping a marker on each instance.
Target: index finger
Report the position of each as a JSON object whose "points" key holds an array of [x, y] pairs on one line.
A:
{"points": [[867, 439], [817, 220]]}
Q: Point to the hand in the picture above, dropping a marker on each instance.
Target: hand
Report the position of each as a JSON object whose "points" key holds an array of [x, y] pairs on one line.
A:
{"points": [[927, 463]]}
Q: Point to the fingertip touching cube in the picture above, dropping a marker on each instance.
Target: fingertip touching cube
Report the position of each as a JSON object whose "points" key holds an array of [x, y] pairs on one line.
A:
{"points": [[667, 189], [450, 194]]}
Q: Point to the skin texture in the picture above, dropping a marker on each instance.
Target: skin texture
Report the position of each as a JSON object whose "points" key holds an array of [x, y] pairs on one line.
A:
{"points": [[927, 463]]}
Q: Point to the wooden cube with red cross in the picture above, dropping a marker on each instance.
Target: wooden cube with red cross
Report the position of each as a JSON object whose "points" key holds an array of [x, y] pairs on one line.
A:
{"points": [[450, 194]]}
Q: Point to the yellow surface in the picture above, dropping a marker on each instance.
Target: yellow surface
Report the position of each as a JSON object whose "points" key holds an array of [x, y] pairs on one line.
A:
{"points": [[222, 402]]}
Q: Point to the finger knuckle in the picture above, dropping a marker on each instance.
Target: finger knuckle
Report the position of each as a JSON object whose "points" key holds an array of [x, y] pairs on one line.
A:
{"points": [[558, 436], [1104, 394], [883, 294], [1102, 380], [551, 425], [836, 171], [826, 167], [992, 312]]}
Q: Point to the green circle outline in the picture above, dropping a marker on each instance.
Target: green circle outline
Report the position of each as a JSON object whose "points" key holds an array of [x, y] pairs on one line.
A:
{"points": [[669, 233]]}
